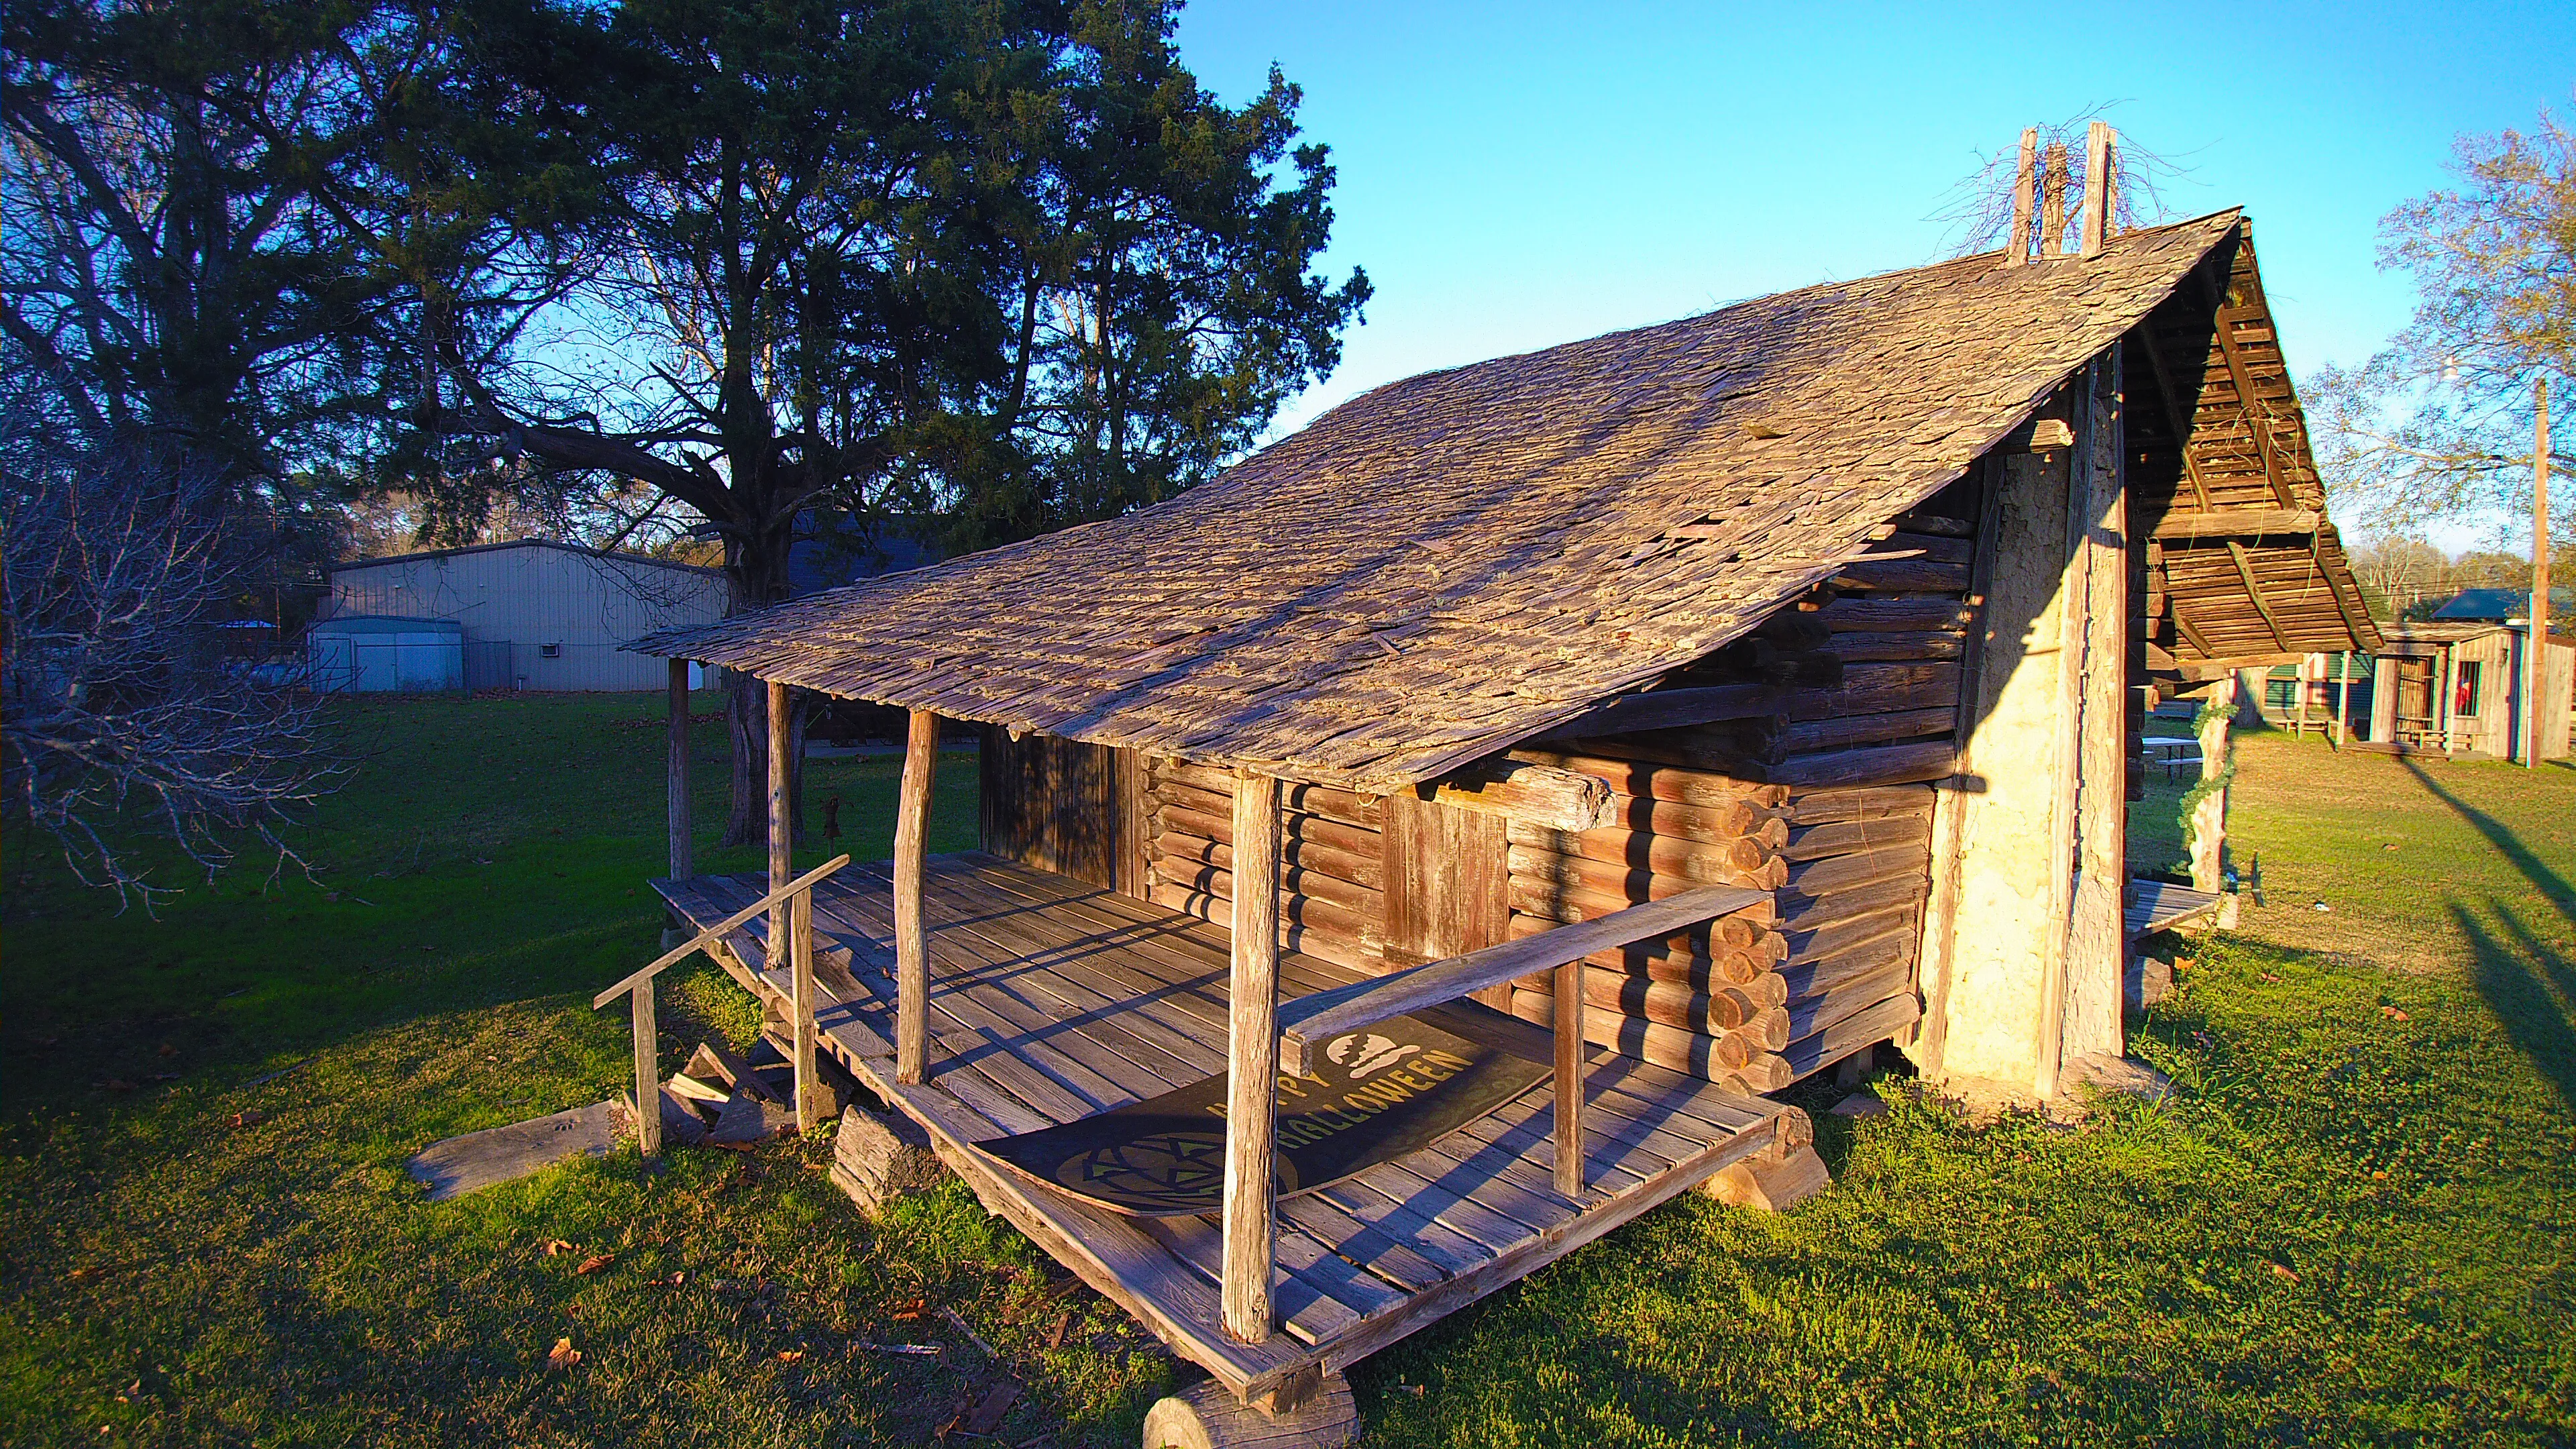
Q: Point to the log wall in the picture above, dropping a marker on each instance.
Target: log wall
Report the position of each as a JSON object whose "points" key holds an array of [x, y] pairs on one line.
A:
{"points": [[1825, 801], [1332, 897]]}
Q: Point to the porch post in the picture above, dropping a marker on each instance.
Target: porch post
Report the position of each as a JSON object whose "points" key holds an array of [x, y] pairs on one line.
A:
{"points": [[800, 956], [779, 868], [677, 787], [1252, 1061], [1569, 1079], [911, 864], [2209, 817], [2343, 701]]}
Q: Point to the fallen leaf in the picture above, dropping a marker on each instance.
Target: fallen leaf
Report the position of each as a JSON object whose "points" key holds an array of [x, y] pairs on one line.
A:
{"points": [[248, 1116], [907, 1310], [557, 1245], [132, 1392], [564, 1355], [1055, 1335], [2280, 1272], [593, 1264], [2268, 976], [791, 1355], [988, 1412]]}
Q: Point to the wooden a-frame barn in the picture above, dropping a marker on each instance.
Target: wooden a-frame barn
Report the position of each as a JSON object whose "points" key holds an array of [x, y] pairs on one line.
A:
{"points": [[1681, 711]]}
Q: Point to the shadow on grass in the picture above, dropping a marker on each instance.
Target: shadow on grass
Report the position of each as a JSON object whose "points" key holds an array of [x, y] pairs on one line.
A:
{"points": [[2551, 885], [2531, 988]]}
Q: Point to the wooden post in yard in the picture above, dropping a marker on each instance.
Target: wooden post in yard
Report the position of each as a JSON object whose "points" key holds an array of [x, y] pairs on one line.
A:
{"points": [[2538, 647], [2025, 196], [648, 1073], [2209, 817], [676, 802], [1252, 1061], [911, 866], [2097, 187], [780, 869]]}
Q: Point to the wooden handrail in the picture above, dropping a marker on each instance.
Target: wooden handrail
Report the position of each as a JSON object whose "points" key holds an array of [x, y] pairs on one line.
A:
{"points": [[1313, 1020], [680, 953]]}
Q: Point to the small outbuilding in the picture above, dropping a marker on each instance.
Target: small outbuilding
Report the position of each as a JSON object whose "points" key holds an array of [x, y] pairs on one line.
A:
{"points": [[2459, 689], [1432, 843], [531, 613]]}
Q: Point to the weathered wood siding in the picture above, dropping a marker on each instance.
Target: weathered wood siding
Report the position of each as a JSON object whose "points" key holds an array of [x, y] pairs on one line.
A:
{"points": [[1065, 806]]}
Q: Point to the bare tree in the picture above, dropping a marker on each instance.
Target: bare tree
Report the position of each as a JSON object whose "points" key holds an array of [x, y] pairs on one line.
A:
{"points": [[121, 719], [2437, 426]]}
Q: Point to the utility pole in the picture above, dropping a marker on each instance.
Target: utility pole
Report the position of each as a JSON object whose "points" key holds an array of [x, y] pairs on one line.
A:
{"points": [[2538, 649]]}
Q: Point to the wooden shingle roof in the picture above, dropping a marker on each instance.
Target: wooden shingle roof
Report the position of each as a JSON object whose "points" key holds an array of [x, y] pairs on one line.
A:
{"points": [[1457, 561]]}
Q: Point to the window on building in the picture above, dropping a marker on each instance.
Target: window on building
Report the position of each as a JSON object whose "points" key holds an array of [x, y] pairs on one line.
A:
{"points": [[2465, 700], [550, 651]]}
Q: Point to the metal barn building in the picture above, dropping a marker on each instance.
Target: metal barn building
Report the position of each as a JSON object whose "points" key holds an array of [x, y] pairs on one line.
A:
{"points": [[535, 614]]}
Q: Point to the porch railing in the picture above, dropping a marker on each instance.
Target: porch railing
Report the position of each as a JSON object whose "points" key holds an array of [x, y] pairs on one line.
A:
{"points": [[798, 897]]}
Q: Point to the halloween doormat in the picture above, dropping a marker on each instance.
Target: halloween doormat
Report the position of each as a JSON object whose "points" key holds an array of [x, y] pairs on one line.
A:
{"points": [[1375, 1095]]}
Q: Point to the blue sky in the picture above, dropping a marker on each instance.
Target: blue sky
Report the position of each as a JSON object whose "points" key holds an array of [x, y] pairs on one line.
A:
{"points": [[1517, 176]]}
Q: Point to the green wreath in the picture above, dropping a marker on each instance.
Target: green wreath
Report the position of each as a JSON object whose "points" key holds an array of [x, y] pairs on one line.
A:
{"points": [[2211, 712]]}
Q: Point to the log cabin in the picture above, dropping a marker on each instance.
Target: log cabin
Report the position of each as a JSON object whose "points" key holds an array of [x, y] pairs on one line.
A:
{"points": [[1678, 713]]}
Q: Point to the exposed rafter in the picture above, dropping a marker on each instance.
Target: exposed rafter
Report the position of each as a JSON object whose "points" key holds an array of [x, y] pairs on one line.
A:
{"points": [[2253, 590], [2183, 626]]}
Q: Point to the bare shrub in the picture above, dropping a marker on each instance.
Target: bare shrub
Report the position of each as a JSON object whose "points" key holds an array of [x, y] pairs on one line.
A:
{"points": [[124, 729]]}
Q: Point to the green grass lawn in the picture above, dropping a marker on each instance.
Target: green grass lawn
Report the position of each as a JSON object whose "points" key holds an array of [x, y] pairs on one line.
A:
{"points": [[2347, 1225]]}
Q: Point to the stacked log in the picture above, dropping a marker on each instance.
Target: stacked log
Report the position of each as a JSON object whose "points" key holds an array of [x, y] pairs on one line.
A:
{"points": [[1332, 901], [1709, 1001], [1820, 796]]}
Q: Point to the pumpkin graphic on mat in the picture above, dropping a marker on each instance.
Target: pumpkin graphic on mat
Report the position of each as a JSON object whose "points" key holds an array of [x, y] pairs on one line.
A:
{"points": [[1159, 1165], [1365, 1056]]}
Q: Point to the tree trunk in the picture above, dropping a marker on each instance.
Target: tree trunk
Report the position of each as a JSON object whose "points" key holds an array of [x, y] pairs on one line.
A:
{"points": [[747, 724], [756, 567]]}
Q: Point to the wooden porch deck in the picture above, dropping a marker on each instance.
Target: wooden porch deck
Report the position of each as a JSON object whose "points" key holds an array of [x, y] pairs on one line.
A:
{"points": [[1052, 1000], [2158, 905]]}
